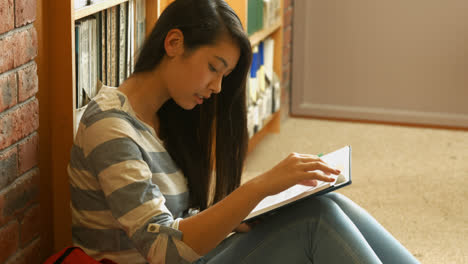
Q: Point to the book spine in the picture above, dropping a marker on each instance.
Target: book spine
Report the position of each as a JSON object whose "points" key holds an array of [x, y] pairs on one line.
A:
{"points": [[103, 47], [79, 4], [141, 23], [77, 65], [93, 58], [122, 42], [251, 16], [133, 38], [113, 40], [130, 38], [108, 46], [98, 45], [259, 15], [253, 86], [84, 62]]}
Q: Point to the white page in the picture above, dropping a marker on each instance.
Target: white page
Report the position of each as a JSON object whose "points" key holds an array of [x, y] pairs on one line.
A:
{"points": [[338, 159]]}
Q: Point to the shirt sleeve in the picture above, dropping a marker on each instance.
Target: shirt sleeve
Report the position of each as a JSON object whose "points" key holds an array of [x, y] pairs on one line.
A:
{"points": [[118, 162]]}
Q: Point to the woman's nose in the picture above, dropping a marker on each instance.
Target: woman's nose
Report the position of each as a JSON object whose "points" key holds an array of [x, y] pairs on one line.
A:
{"points": [[216, 85]]}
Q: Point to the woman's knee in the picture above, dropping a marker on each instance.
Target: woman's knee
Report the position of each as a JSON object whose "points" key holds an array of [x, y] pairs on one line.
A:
{"points": [[335, 196], [328, 209]]}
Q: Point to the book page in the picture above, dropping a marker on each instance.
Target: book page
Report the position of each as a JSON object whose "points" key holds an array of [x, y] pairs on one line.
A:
{"points": [[338, 159], [288, 194]]}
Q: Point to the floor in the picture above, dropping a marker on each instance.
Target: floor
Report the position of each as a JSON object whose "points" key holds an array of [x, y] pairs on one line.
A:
{"points": [[414, 181]]}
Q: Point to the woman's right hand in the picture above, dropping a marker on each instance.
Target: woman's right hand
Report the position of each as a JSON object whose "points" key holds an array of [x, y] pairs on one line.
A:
{"points": [[295, 168]]}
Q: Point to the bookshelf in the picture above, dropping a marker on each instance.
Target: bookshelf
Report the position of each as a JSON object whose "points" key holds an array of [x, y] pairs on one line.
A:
{"points": [[95, 8], [58, 84], [258, 36]]}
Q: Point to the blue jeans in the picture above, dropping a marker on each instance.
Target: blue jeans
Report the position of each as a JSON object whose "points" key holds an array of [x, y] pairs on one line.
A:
{"points": [[327, 229]]}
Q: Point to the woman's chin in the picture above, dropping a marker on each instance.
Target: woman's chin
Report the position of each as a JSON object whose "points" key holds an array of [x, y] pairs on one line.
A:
{"points": [[187, 106]]}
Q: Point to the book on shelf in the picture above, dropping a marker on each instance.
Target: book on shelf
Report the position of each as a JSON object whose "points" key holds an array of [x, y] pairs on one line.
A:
{"points": [[271, 12], [140, 6], [86, 61], [253, 83], [261, 68], [263, 98], [114, 26], [340, 159], [252, 26], [77, 4], [107, 81], [105, 46], [93, 58], [269, 51], [78, 100], [262, 14], [130, 35], [259, 15], [83, 63], [103, 34], [98, 37], [122, 37], [276, 93]]}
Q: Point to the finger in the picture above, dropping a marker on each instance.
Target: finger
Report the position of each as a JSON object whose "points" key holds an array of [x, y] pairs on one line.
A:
{"points": [[318, 175], [309, 158], [327, 169], [312, 183]]}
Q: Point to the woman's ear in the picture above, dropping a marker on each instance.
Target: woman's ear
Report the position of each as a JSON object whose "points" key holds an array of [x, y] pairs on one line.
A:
{"points": [[174, 43]]}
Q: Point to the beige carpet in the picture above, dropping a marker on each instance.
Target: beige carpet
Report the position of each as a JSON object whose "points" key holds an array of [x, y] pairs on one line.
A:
{"points": [[412, 180]]}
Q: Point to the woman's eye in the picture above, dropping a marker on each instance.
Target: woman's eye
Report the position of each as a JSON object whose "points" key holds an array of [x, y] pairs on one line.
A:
{"points": [[213, 69]]}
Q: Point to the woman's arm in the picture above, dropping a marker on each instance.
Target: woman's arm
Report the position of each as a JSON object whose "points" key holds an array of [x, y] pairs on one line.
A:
{"points": [[202, 232]]}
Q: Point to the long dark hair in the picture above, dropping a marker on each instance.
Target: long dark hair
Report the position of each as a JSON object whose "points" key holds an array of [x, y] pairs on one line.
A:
{"points": [[208, 143]]}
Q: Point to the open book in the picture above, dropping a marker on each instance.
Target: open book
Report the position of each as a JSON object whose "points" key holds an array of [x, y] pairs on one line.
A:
{"points": [[340, 159]]}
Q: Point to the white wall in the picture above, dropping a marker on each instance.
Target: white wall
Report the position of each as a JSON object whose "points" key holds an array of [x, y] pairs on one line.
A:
{"points": [[399, 61]]}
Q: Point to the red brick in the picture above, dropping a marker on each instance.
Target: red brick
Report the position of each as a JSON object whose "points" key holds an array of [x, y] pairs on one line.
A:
{"points": [[8, 91], [7, 16], [25, 12], [30, 226], [27, 82], [286, 54], [8, 127], [287, 36], [19, 196], [9, 237], [29, 255], [288, 15], [17, 124], [8, 167], [25, 47], [7, 54], [286, 74], [28, 116], [28, 150]]}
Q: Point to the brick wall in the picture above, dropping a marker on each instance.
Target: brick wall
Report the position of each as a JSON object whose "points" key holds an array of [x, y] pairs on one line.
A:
{"points": [[19, 122], [288, 6]]}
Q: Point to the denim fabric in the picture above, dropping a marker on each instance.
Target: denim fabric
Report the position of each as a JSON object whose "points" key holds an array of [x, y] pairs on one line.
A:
{"points": [[327, 229]]}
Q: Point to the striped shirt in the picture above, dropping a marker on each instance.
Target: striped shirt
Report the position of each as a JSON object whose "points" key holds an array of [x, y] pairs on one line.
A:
{"points": [[127, 194]]}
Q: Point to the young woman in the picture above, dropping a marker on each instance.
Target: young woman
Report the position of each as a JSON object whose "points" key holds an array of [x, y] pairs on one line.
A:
{"points": [[172, 138]]}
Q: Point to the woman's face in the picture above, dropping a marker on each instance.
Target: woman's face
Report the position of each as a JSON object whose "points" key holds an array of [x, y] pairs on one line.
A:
{"points": [[194, 76]]}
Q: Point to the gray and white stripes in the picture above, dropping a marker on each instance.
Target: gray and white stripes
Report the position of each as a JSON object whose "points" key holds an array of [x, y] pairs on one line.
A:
{"points": [[125, 188]]}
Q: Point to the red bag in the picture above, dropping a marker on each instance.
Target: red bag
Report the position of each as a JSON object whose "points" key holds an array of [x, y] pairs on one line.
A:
{"points": [[72, 255]]}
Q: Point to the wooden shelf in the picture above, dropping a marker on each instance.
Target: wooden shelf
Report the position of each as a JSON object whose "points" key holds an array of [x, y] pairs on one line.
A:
{"points": [[56, 30], [258, 36], [95, 8]]}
